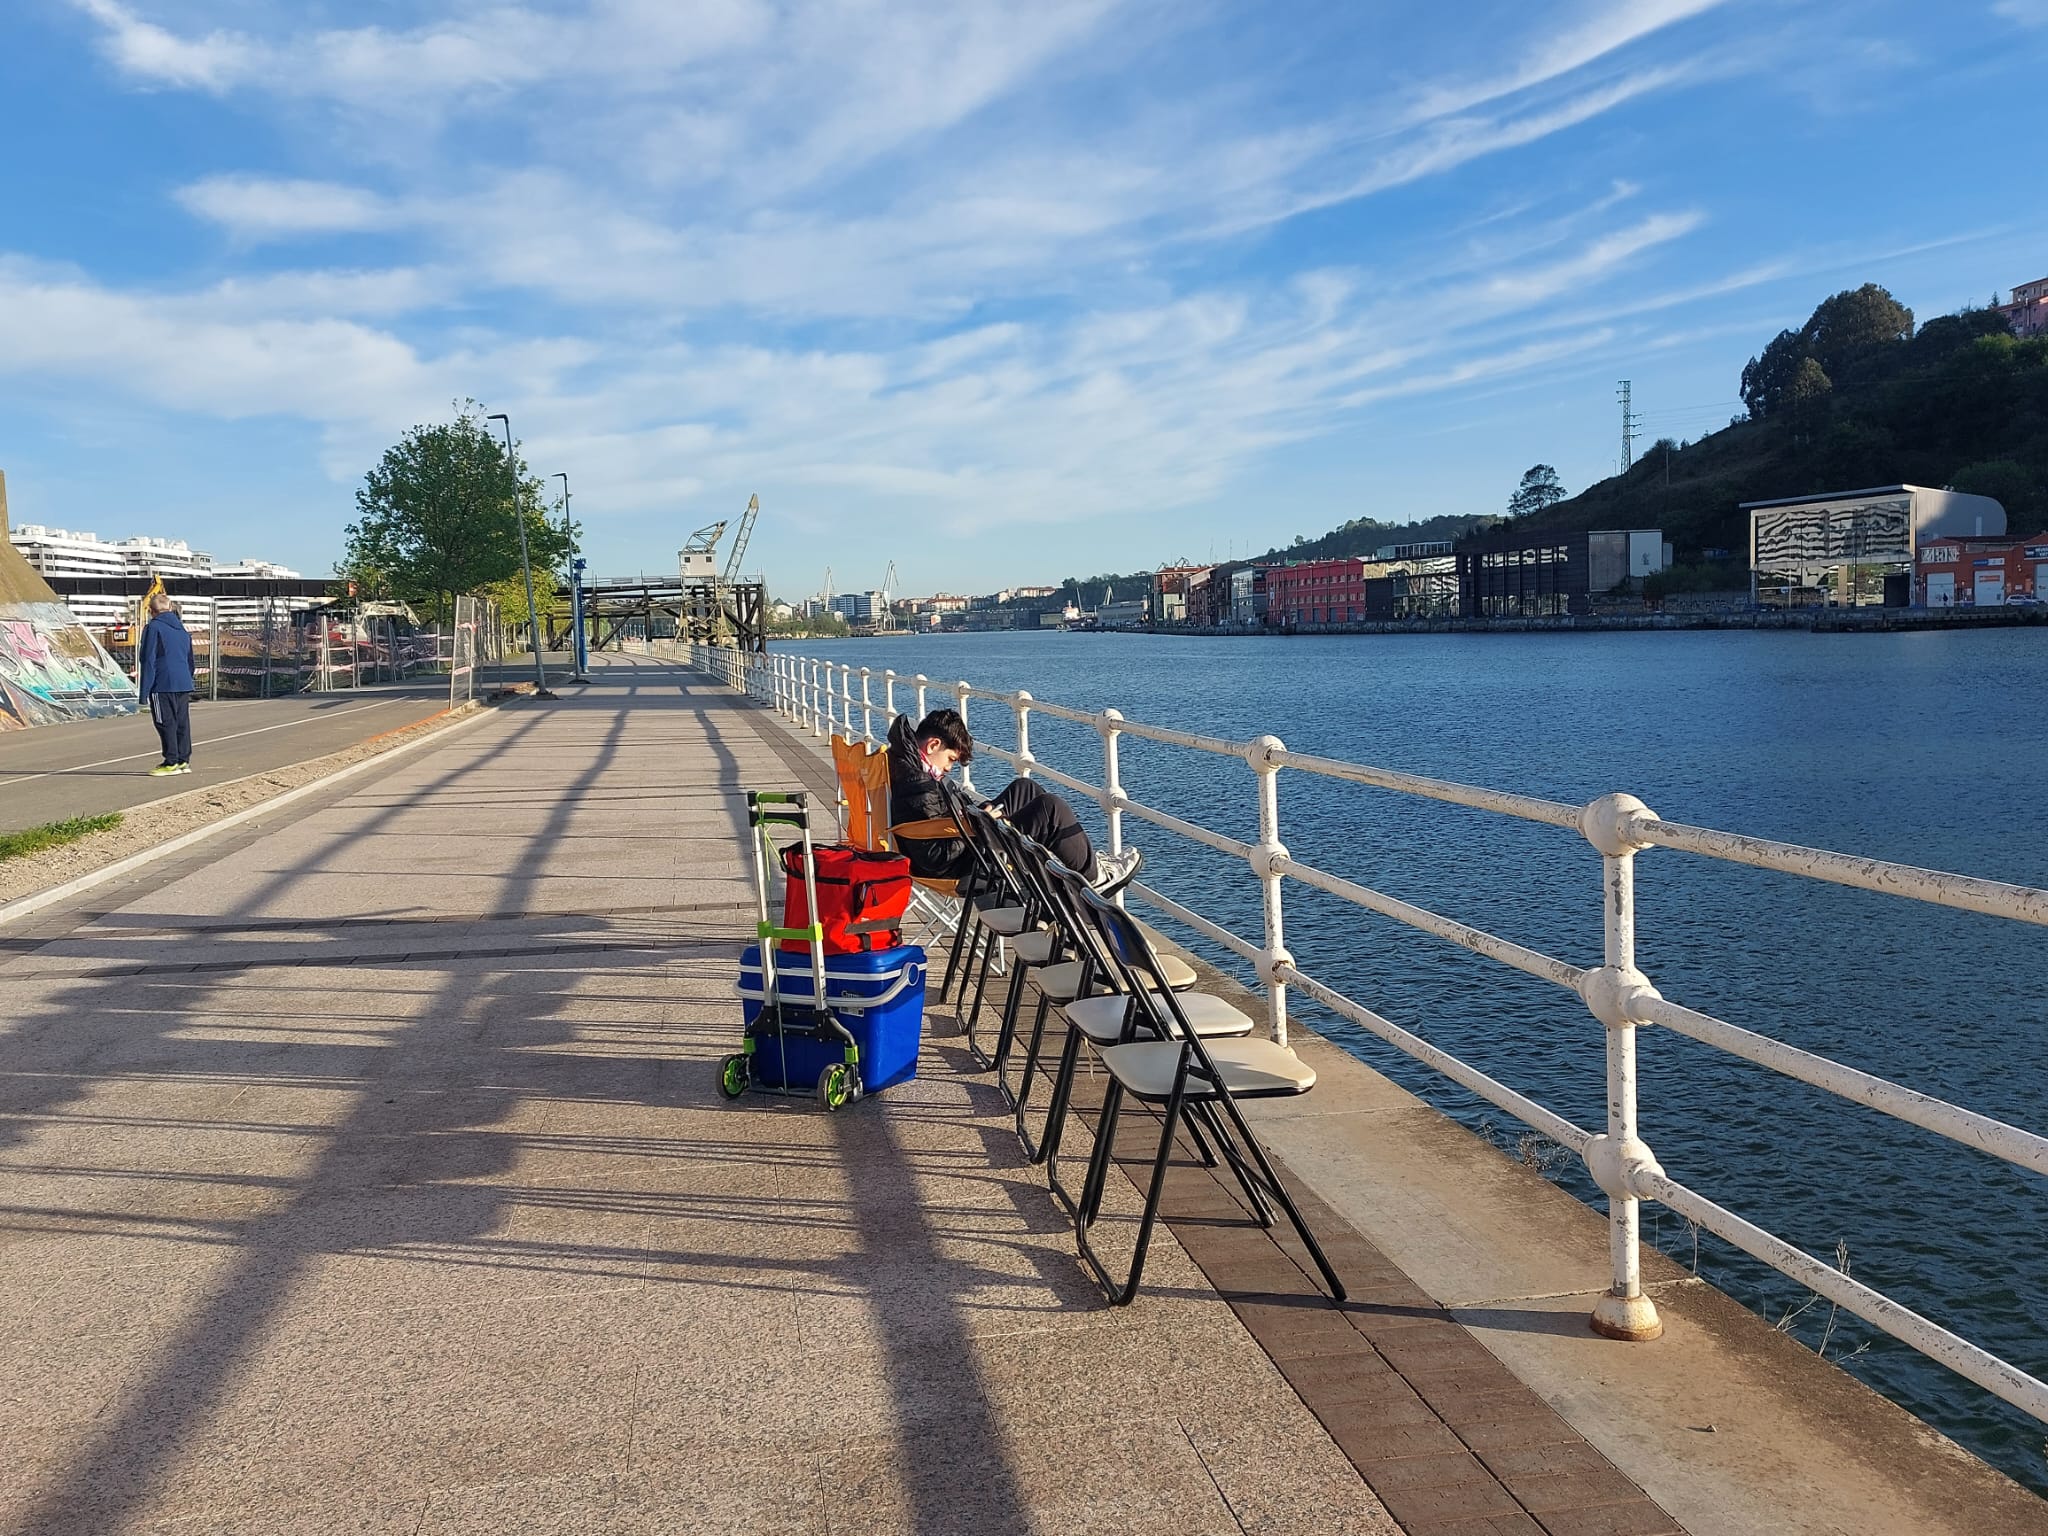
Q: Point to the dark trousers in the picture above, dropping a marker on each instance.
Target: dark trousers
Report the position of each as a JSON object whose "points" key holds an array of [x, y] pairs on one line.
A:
{"points": [[1049, 822], [172, 713]]}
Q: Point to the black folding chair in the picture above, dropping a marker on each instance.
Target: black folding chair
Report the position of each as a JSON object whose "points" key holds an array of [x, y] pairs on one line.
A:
{"points": [[982, 889], [1199, 1082], [1094, 1001]]}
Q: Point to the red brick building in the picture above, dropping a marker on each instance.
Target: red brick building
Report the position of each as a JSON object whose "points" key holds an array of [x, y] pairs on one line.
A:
{"points": [[1981, 572], [1316, 592]]}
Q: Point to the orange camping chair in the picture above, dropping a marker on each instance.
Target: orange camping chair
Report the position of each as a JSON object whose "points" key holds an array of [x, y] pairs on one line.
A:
{"points": [[864, 795]]}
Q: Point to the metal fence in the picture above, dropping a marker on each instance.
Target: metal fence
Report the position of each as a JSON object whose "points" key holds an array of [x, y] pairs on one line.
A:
{"points": [[826, 696]]}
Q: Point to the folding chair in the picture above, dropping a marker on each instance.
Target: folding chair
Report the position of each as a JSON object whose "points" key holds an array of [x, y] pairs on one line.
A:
{"points": [[1002, 914], [1041, 941], [1093, 998], [1199, 1082]]}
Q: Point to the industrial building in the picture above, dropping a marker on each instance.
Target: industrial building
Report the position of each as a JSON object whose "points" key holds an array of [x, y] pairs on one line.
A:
{"points": [[1981, 573], [1509, 572], [1856, 548]]}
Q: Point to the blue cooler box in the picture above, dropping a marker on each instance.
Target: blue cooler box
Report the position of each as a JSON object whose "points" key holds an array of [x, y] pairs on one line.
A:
{"points": [[888, 1034]]}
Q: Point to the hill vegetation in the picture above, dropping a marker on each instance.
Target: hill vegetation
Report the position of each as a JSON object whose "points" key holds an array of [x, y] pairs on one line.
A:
{"points": [[1856, 397]]}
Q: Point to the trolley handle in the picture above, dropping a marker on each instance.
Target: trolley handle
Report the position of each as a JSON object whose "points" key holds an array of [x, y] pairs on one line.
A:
{"points": [[902, 979]]}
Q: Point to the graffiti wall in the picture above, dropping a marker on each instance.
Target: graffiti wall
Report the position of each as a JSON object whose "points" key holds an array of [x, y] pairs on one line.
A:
{"points": [[53, 670]]}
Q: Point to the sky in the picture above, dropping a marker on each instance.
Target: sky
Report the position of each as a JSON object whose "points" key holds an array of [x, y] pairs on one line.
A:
{"points": [[1000, 293]]}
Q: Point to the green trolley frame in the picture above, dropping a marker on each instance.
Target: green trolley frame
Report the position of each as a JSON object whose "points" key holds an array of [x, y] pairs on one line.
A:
{"points": [[838, 1082]]}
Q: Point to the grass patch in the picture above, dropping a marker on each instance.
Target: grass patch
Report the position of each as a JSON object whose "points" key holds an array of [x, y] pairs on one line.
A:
{"points": [[55, 834]]}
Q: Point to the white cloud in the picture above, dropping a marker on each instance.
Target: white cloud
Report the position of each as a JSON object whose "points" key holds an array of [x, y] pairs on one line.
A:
{"points": [[2028, 13], [258, 208], [1608, 30], [153, 54]]}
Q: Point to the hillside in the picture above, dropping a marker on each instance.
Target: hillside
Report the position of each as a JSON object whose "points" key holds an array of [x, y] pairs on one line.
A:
{"points": [[1367, 535], [1856, 397]]}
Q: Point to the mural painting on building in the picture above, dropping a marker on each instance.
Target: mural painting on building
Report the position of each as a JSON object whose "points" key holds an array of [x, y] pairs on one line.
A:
{"points": [[52, 670]]}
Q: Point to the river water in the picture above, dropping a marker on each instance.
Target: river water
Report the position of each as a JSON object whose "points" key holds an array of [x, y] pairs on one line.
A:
{"points": [[1929, 748]]}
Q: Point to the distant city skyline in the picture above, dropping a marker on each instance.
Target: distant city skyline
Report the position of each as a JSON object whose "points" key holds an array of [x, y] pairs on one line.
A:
{"points": [[1000, 294]]}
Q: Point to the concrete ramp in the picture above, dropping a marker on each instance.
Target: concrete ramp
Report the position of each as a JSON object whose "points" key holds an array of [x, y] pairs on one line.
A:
{"points": [[52, 670]]}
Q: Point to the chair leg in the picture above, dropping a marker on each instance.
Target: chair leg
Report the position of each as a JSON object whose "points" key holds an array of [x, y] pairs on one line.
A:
{"points": [[1248, 1178], [1012, 1004], [990, 947], [1056, 1108], [1122, 1295], [1269, 1180], [963, 931], [1005, 1048]]}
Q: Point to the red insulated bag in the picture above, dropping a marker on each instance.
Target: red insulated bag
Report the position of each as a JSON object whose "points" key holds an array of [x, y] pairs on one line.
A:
{"points": [[862, 897]]}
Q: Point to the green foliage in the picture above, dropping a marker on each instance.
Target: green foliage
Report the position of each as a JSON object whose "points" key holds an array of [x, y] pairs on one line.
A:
{"points": [[1540, 489], [1846, 338], [436, 518], [1960, 402], [2022, 491], [1365, 536], [54, 834]]}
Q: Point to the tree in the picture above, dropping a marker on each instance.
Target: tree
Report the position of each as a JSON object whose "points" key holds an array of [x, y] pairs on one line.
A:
{"points": [[1767, 376], [2022, 492], [1844, 330], [1540, 488], [438, 517]]}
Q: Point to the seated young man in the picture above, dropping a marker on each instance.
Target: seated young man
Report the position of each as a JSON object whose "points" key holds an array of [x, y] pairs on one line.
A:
{"points": [[920, 757]]}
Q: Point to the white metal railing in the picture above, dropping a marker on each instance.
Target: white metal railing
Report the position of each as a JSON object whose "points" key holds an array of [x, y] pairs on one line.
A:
{"points": [[820, 695]]}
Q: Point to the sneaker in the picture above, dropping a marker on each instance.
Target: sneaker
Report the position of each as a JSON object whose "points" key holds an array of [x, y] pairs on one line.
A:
{"points": [[1114, 871], [184, 767], [161, 769]]}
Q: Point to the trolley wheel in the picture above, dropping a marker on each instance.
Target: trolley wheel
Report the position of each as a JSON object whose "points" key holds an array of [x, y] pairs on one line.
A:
{"points": [[733, 1076], [835, 1086]]}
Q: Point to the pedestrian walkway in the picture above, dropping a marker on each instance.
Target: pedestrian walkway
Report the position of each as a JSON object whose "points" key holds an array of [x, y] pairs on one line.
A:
{"points": [[365, 1172]]}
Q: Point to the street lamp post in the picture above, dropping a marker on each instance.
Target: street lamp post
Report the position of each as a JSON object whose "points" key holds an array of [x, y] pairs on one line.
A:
{"points": [[579, 656], [540, 676]]}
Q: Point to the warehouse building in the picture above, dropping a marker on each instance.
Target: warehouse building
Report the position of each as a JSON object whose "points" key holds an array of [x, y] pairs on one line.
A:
{"points": [[1509, 572], [1856, 548]]}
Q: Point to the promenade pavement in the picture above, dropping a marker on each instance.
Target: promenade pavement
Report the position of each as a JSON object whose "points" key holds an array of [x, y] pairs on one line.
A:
{"points": [[365, 1172]]}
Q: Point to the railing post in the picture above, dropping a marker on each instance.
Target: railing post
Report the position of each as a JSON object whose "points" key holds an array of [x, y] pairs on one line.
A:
{"points": [[867, 708], [960, 692], [922, 682], [817, 699], [846, 700], [1112, 797], [1619, 1157], [1268, 861], [1022, 710], [889, 695]]}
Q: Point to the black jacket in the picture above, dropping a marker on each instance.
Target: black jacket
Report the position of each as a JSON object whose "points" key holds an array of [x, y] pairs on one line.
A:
{"points": [[914, 795]]}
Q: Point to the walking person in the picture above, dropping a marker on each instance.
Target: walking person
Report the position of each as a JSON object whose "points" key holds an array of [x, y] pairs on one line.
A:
{"points": [[921, 756], [167, 683]]}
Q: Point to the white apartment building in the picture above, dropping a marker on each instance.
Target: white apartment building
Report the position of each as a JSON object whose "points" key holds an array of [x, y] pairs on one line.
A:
{"points": [[62, 552]]}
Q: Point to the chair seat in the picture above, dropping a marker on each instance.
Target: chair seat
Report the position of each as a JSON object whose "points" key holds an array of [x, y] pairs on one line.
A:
{"points": [[1062, 983], [1251, 1069], [1006, 921], [1033, 948], [941, 887], [1101, 1018]]}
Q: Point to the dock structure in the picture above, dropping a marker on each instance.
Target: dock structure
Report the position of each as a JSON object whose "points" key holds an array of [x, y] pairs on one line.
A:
{"points": [[365, 1170]]}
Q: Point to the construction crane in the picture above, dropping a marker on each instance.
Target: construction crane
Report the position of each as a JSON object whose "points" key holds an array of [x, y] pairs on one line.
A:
{"points": [[700, 554], [739, 539], [886, 619]]}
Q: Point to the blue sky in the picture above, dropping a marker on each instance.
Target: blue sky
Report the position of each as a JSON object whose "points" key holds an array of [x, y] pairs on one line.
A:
{"points": [[1003, 293]]}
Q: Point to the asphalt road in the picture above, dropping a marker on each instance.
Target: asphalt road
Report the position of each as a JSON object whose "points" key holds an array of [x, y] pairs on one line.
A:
{"points": [[52, 772]]}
